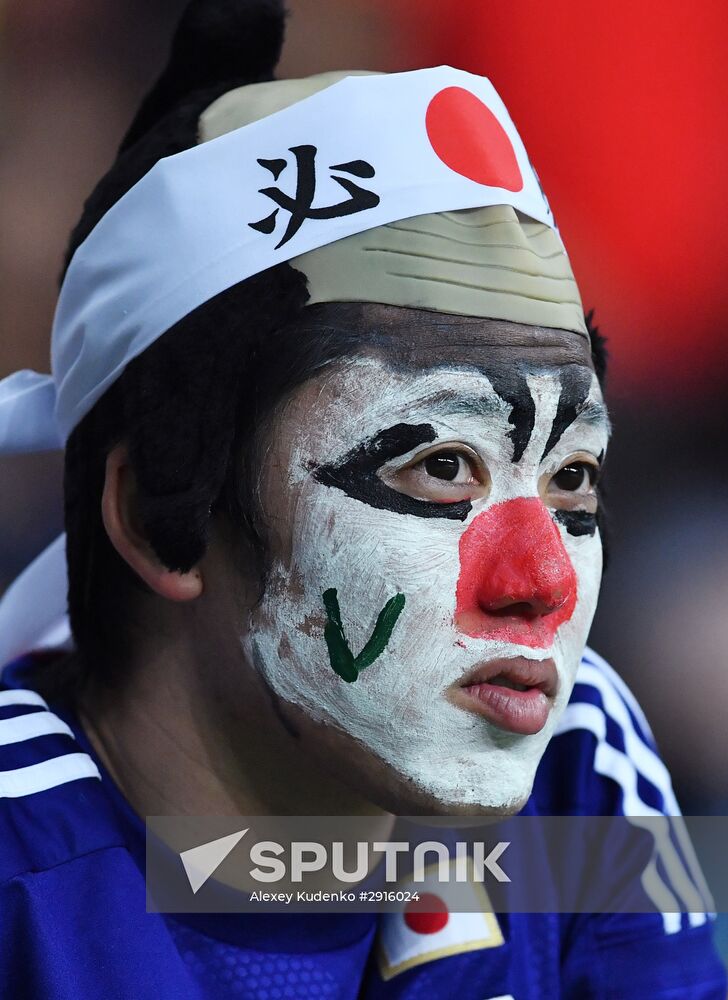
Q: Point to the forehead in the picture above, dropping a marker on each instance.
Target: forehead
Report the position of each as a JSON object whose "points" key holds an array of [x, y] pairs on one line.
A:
{"points": [[362, 395], [457, 373], [414, 343], [417, 338]]}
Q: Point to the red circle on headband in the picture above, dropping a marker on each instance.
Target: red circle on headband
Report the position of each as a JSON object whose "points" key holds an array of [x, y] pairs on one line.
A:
{"points": [[469, 139]]}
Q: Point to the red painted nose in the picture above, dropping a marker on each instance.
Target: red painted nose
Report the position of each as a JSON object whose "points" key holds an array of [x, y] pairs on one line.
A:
{"points": [[516, 580]]}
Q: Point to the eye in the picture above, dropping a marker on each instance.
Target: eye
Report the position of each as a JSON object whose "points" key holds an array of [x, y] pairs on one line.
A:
{"points": [[448, 465], [445, 474], [576, 477]]}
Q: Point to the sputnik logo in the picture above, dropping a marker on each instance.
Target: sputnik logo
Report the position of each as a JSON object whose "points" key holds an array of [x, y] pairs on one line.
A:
{"points": [[201, 862]]}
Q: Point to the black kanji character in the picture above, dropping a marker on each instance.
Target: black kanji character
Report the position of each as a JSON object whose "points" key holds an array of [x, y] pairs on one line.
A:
{"points": [[300, 205]]}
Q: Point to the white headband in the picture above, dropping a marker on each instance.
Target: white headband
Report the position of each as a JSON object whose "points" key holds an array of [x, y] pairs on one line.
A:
{"points": [[363, 152], [366, 151]]}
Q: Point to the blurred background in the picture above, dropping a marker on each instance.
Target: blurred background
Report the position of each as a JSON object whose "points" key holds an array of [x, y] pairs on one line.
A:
{"points": [[622, 107]]}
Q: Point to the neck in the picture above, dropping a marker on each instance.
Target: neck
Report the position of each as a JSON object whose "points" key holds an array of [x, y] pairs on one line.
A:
{"points": [[195, 731]]}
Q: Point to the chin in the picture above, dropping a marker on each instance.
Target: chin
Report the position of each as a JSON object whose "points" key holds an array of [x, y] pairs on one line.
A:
{"points": [[493, 781], [404, 797], [389, 787], [428, 806]]}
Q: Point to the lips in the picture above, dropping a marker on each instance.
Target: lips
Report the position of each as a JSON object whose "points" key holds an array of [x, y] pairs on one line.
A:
{"points": [[515, 695]]}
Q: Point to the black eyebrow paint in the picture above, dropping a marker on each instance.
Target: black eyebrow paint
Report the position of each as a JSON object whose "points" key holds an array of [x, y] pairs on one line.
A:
{"points": [[575, 386], [356, 474], [513, 388]]}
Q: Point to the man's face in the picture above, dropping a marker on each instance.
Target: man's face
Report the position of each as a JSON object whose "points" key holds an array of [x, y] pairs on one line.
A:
{"points": [[458, 472]]}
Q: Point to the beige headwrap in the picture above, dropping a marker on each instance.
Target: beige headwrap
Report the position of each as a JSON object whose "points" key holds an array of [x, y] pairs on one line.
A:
{"points": [[492, 262]]}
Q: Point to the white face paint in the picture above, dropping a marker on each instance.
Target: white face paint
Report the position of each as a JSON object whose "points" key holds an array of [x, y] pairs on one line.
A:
{"points": [[398, 706]]}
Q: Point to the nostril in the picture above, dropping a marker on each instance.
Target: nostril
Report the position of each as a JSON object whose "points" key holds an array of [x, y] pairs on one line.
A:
{"points": [[514, 609], [534, 607]]}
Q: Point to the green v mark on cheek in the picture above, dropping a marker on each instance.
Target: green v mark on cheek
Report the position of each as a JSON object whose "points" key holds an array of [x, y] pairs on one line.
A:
{"points": [[343, 661]]}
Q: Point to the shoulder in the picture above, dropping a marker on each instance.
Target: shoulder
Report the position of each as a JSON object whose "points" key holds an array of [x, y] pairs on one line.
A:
{"points": [[52, 806], [602, 758], [603, 761], [601, 703], [69, 884]]}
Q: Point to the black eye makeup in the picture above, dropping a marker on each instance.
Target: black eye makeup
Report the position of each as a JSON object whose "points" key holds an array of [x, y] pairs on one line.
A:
{"points": [[443, 480], [577, 522], [572, 492], [357, 473]]}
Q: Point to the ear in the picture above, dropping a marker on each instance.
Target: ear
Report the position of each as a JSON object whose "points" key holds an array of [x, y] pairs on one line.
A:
{"points": [[122, 523]]}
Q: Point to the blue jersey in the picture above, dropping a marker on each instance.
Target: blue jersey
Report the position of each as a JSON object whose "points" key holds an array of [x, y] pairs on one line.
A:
{"points": [[74, 926]]}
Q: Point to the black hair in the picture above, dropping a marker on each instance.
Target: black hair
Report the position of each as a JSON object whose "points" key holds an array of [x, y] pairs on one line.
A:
{"points": [[190, 407], [599, 352]]}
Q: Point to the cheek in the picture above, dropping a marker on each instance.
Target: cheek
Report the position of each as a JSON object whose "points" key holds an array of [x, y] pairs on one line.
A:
{"points": [[457, 582], [368, 556], [586, 556]]}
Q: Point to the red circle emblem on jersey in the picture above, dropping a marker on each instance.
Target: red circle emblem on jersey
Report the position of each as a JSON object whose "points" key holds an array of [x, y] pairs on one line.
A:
{"points": [[428, 915], [469, 139]]}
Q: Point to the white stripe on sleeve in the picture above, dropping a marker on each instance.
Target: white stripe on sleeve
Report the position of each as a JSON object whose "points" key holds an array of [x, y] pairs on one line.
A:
{"points": [[47, 774]]}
